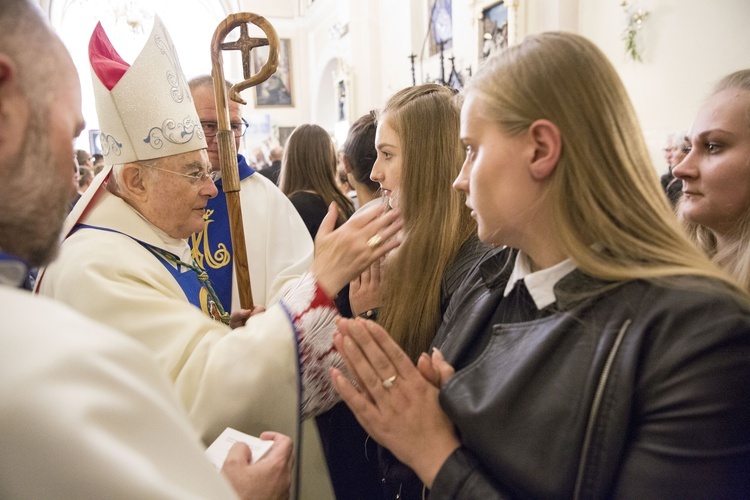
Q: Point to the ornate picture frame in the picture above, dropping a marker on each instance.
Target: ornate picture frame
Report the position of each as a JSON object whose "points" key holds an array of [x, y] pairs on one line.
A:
{"points": [[95, 145], [493, 29], [277, 91], [441, 25]]}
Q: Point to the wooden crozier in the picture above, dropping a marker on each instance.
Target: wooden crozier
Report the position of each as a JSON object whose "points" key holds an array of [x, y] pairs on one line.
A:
{"points": [[225, 137]]}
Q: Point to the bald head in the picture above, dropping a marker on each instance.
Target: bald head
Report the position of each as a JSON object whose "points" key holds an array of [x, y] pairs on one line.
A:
{"points": [[276, 153], [26, 37], [36, 151]]}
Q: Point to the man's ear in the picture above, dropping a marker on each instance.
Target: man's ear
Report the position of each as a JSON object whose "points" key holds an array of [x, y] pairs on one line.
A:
{"points": [[547, 148], [14, 108], [133, 182]]}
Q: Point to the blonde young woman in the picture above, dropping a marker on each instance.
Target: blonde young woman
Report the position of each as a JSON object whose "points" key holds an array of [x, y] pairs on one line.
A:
{"points": [[599, 354], [716, 176]]}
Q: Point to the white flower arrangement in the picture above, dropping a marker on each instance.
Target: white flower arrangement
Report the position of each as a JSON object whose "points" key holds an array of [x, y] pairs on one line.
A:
{"points": [[634, 17]]}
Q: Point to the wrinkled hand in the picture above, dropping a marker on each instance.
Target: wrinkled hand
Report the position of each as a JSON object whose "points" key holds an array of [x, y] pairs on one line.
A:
{"points": [[405, 418], [240, 317], [341, 255], [270, 478], [365, 291]]}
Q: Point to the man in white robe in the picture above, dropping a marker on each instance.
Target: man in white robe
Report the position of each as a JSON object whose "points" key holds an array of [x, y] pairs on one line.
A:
{"points": [[125, 261], [86, 412], [279, 247]]}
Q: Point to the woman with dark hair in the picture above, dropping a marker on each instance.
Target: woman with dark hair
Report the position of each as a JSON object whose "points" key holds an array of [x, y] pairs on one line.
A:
{"points": [[358, 156]]}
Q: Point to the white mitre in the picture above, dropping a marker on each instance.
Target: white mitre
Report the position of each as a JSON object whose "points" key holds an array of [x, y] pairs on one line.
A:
{"points": [[145, 109]]}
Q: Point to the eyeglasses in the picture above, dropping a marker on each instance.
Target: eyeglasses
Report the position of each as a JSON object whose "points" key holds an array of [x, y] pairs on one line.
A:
{"points": [[195, 178], [212, 128]]}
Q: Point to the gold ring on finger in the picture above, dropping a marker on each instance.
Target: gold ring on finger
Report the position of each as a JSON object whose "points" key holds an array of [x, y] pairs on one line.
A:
{"points": [[375, 241]]}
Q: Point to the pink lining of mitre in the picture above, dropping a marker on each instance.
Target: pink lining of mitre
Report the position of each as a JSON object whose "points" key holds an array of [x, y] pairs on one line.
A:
{"points": [[107, 64]]}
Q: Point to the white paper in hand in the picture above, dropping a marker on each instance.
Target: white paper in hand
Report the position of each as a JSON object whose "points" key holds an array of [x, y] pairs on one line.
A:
{"points": [[219, 449]]}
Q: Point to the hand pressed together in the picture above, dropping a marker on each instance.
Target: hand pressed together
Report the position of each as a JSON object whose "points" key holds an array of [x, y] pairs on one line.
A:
{"points": [[406, 417]]}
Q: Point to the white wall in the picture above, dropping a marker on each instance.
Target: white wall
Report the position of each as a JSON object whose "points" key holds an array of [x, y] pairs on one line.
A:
{"points": [[686, 44]]}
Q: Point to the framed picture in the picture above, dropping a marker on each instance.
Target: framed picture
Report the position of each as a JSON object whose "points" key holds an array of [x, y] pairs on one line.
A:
{"points": [[493, 30], [277, 90], [95, 145], [441, 25], [342, 91]]}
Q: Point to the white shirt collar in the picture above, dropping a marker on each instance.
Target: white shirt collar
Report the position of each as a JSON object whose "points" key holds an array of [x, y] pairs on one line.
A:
{"points": [[175, 246], [540, 284]]}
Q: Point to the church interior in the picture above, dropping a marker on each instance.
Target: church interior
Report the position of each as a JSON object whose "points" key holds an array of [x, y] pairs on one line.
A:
{"points": [[341, 58]]}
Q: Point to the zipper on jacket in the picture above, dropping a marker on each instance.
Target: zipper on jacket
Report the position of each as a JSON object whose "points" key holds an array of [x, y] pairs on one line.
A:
{"points": [[595, 405]]}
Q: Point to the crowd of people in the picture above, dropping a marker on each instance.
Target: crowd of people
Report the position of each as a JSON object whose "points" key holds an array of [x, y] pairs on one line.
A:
{"points": [[514, 307]]}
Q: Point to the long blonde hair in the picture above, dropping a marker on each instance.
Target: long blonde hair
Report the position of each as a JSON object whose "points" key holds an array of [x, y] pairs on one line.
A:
{"points": [[734, 257], [604, 189], [436, 221], [309, 164]]}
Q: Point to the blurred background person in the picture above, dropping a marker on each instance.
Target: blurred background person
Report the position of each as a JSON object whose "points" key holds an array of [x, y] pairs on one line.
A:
{"points": [[84, 158], [352, 457], [272, 171], [98, 160], [343, 181], [674, 152], [85, 176], [308, 177], [358, 155]]}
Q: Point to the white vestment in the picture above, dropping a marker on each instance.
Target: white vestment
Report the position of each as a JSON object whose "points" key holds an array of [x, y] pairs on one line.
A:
{"points": [[279, 247], [247, 378], [86, 413]]}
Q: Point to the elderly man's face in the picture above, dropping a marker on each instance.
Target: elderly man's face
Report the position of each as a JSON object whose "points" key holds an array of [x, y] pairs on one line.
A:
{"points": [[174, 203], [205, 105]]}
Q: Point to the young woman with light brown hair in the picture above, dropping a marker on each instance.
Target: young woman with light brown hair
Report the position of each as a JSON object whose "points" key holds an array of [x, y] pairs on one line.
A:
{"points": [[308, 176], [418, 156]]}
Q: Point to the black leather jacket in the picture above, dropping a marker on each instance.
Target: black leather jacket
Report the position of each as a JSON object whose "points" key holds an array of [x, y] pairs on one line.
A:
{"points": [[637, 390]]}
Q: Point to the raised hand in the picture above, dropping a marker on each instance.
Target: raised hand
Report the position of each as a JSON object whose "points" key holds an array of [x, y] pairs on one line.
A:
{"points": [[342, 254], [365, 290]]}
